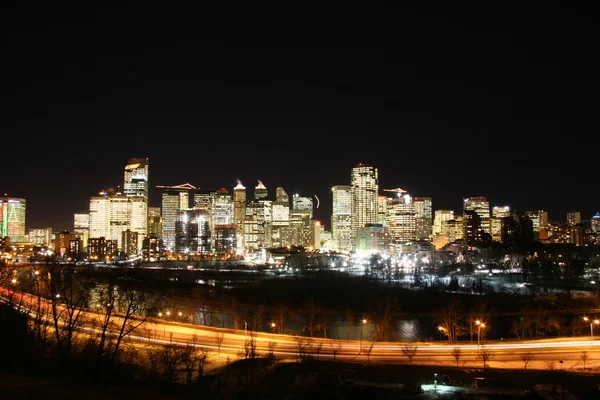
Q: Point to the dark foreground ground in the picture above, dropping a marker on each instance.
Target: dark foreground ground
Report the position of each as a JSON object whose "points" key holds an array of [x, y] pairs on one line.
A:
{"points": [[268, 379]]}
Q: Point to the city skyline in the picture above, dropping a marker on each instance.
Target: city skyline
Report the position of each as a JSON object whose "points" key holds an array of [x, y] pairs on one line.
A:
{"points": [[445, 105]]}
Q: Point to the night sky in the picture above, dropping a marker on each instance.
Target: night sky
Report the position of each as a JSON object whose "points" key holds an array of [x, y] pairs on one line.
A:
{"points": [[446, 103]]}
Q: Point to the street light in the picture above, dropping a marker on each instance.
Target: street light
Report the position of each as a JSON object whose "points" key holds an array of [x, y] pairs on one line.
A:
{"points": [[479, 326], [597, 322], [362, 323], [273, 329], [441, 329]]}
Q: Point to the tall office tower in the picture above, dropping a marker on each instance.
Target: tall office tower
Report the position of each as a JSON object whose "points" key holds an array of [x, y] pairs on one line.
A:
{"points": [[119, 218], [136, 187], [239, 203], [341, 218], [99, 216], [173, 200], [498, 213], [441, 216], [192, 232], [302, 203], [482, 207], [453, 228], [573, 218], [281, 196], [382, 203], [81, 227], [154, 222], [40, 236], [423, 218], [12, 218], [223, 209], [280, 217], [595, 223], [239, 213], [257, 224], [260, 191], [136, 178], [401, 221], [364, 181], [473, 233]]}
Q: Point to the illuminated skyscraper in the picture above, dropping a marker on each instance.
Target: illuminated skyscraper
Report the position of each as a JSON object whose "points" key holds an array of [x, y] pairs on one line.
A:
{"points": [[282, 196], [573, 218], [440, 217], [364, 181], [81, 227], [423, 218], [223, 209], [260, 191], [595, 223], [136, 178], [341, 218], [239, 213], [173, 201], [302, 203], [498, 215], [401, 220], [154, 222], [135, 187], [99, 216], [481, 206], [12, 218]]}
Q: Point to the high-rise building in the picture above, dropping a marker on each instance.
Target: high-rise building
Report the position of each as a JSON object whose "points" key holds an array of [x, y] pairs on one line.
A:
{"points": [[154, 222], [239, 212], [303, 203], [173, 201], [260, 191], [573, 218], [99, 216], [595, 223], [498, 215], [223, 209], [81, 227], [281, 195], [341, 218], [280, 217], [40, 236], [481, 206], [136, 178], [401, 222], [136, 188], [364, 181], [441, 216], [12, 218], [423, 218]]}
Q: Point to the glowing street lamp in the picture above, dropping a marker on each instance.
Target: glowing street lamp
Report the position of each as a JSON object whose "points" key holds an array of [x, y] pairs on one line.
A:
{"points": [[441, 329], [362, 323], [479, 326], [597, 322]]}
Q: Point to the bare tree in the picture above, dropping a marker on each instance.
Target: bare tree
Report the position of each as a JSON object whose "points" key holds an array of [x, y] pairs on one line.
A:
{"points": [[450, 319], [310, 315], [219, 336], [584, 357], [526, 358], [202, 361], [484, 354], [368, 349], [272, 346], [335, 349], [303, 345], [282, 311], [317, 348], [457, 353], [384, 319], [134, 308], [410, 352], [250, 346], [349, 322]]}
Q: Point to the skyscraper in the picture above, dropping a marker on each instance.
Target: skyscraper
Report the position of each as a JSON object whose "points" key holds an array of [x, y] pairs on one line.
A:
{"points": [[302, 203], [12, 218], [260, 191], [481, 206], [341, 218], [364, 181], [173, 201], [423, 218], [135, 188]]}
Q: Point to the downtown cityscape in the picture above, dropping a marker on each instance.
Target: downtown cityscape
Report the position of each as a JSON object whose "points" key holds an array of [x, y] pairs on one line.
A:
{"points": [[286, 203], [242, 223]]}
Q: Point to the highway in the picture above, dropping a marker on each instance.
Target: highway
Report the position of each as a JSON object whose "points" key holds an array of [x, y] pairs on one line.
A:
{"points": [[548, 353]]}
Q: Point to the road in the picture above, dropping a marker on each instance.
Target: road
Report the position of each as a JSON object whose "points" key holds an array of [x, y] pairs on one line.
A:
{"points": [[567, 353]]}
